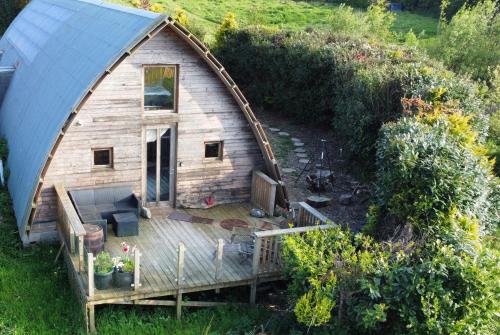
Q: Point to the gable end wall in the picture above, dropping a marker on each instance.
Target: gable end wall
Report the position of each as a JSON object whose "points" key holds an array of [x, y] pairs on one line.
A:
{"points": [[113, 117]]}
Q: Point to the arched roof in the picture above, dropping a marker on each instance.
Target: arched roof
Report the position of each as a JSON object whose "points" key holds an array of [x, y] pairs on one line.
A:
{"points": [[61, 50]]}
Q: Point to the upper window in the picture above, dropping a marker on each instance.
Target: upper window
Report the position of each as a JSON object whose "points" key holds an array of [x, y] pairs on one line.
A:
{"points": [[102, 157], [159, 87], [213, 150]]}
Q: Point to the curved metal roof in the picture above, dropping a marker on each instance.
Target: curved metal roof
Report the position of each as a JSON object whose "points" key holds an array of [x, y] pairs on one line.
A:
{"points": [[59, 48]]}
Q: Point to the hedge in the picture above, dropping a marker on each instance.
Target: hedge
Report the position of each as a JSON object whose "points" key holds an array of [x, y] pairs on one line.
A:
{"points": [[351, 84]]}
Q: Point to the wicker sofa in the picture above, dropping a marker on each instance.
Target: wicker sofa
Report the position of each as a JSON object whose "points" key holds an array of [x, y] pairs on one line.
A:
{"points": [[97, 205]]}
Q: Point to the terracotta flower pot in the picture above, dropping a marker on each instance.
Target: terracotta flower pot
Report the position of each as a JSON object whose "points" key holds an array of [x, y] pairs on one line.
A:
{"points": [[103, 281], [123, 279]]}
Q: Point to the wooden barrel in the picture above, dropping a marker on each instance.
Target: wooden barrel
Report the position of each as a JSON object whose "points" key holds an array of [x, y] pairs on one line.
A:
{"points": [[94, 240]]}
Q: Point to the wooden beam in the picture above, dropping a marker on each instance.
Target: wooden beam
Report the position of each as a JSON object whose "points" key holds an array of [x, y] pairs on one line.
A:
{"points": [[218, 262], [180, 274], [137, 269], [90, 274], [91, 318]]}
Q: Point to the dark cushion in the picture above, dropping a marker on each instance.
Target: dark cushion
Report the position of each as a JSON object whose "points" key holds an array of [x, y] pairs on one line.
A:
{"points": [[83, 197], [104, 196], [90, 216], [125, 207], [122, 194], [106, 210], [101, 203]]}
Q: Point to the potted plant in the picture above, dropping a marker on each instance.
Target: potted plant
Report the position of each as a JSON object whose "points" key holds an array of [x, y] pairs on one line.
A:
{"points": [[123, 276], [103, 271]]}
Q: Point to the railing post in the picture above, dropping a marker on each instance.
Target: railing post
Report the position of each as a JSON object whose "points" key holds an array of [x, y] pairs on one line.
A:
{"points": [[180, 274], [255, 268], [90, 273], [218, 261], [137, 269], [80, 253]]}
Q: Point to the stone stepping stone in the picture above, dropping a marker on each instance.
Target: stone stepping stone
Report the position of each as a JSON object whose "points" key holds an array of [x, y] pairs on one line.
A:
{"points": [[274, 130], [283, 133], [304, 160], [295, 139], [298, 144], [288, 170], [300, 150], [301, 155]]}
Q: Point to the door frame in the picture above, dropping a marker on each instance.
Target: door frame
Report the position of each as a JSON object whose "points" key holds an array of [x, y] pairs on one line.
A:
{"points": [[173, 165]]}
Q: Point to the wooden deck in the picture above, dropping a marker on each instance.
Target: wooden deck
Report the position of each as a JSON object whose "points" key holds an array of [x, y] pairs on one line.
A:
{"points": [[158, 242], [175, 257]]}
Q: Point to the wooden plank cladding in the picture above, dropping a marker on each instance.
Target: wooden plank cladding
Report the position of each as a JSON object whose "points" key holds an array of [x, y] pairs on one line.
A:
{"points": [[113, 117], [263, 192]]}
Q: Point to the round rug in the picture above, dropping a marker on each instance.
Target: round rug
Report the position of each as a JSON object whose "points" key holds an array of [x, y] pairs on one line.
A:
{"points": [[230, 223]]}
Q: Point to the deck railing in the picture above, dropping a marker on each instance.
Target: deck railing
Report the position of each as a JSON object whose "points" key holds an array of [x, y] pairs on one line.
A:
{"points": [[70, 226], [308, 216], [268, 243], [263, 192]]}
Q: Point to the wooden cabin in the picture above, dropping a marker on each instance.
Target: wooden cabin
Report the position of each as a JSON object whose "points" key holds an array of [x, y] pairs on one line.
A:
{"points": [[122, 97], [93, 94]]}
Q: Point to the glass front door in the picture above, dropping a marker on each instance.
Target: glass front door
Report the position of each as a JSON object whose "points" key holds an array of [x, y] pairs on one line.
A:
{"points": [[159, 169]]}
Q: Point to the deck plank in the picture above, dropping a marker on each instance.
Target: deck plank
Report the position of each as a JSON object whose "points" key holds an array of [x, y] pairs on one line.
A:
{"points": [[158, 241]]}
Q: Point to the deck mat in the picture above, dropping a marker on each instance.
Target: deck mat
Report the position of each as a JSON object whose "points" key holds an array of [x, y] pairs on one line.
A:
{"points": [[199, 219], [230, 223], [189, 218], [180, 217]]}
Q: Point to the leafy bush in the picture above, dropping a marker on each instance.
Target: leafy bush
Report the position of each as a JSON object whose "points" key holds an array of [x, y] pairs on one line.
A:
{"points": [[412, 157], [434, 6], [360, 286], [351, 3], [226, 28], [469, 42], [323, 78], [375, 23]]}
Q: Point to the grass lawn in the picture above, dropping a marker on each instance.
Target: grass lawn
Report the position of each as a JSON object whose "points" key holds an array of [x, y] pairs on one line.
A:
{"points": [[280, 14]]}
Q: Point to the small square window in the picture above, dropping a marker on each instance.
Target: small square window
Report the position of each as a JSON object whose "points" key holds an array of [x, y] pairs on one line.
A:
{"points": [[213, 149], [103, 157]]}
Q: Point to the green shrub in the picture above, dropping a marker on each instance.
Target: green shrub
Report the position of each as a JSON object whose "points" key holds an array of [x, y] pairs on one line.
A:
{"points": [[434, 6], [469, 42], [356, 285], [324, 78], [427, 171], [227, 27]]}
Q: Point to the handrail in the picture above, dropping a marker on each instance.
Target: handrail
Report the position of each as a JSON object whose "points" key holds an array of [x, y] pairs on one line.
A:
{"points": [[70, 226], [289, 231], [268, 248], [309, 216], [71, 215]]}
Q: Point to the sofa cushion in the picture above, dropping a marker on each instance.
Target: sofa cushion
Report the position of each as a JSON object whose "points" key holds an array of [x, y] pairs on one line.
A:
{"points": [[83, 197], [106, 210], [89, 213], [122, 194], [104, 196]]}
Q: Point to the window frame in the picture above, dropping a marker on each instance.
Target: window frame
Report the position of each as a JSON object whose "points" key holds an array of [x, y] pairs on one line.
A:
{"points": [[103, 166], [176, 88], [220, 156]]}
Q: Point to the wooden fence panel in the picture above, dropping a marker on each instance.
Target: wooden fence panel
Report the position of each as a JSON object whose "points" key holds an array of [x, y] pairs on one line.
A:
{"points": [[263, 192]]}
